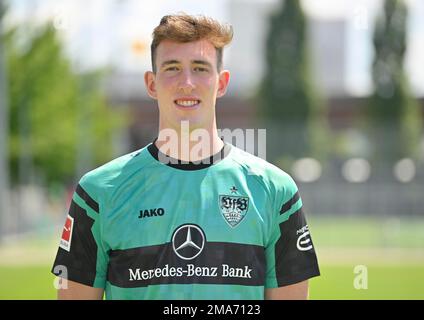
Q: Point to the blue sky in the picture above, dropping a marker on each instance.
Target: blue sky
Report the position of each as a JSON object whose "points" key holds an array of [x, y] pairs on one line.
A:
{"points": [[113, 25]]}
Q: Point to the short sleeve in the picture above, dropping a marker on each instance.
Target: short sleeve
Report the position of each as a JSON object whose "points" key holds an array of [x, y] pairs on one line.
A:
{"points": [[290, 252], [81, 257]]}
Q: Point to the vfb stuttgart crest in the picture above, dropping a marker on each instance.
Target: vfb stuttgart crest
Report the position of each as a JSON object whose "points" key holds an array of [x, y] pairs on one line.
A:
{"points": [[233, 208]]}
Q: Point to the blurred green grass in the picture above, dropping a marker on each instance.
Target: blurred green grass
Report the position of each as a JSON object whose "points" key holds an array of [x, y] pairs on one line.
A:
{"points": [[335, 282], [403, 282], [392, 250], [365, 231], [26, 283]]}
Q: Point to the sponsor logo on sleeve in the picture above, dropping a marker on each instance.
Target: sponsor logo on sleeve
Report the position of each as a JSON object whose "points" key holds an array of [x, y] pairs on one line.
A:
{"points": [[65, 241], [304, 242]]}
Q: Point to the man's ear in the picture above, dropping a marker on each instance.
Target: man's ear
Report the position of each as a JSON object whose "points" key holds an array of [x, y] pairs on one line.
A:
{"points": [[150, 83], [224, 80]]}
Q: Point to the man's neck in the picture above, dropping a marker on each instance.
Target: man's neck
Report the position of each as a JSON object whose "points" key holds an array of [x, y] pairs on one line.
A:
{"points": [[189, 145]]}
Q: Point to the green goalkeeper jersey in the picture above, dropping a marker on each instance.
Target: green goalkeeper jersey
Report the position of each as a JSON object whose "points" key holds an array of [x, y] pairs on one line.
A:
{"points": [[144, 228]]}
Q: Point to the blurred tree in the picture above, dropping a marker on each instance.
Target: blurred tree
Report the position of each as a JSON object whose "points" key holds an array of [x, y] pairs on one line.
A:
{"points": [[394, 115], [4, 170], [288, 103], [47, 100]]}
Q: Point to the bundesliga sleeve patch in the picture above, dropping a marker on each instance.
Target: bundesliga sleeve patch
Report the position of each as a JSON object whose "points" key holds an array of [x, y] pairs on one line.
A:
{"points": [[65, 241]]}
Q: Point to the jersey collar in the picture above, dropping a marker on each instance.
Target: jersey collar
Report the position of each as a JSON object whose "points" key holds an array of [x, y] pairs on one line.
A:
{"points": [[190, 166]]}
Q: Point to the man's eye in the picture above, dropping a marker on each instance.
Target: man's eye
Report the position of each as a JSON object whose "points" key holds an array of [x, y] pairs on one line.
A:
{"points": [[200, 69], [171, 69]]}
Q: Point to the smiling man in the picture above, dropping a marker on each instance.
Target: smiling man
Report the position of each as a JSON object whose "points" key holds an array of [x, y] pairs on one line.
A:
{"points": [[186, 82], [189, 216]]}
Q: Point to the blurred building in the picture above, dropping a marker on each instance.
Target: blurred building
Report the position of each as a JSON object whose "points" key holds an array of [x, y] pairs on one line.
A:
{"points": [[327, 41], [327, 44]]}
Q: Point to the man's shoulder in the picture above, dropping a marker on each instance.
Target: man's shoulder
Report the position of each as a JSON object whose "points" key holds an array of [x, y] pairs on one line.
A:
{"points": [[257, 165], [271, 177], [115, 169]]}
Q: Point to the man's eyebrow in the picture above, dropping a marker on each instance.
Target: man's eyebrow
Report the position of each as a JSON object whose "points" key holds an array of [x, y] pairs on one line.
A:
{"points": [[203, 62], [167, 62]]}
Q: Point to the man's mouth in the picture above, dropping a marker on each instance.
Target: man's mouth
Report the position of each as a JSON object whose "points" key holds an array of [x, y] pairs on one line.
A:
{"points": [[187, 103]]}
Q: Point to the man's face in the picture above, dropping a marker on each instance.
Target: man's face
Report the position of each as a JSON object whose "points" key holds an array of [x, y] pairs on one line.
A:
{"points": [[186, 83]]}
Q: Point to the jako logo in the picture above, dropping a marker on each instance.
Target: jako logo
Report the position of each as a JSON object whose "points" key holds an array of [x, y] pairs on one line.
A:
{"points": [[147, 213]]}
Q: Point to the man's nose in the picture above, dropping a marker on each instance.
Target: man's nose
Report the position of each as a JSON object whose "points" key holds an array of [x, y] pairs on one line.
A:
{"points": [[186, 83]]}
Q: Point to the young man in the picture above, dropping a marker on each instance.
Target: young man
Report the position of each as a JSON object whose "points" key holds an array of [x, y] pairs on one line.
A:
{"points": [[185, 217]]}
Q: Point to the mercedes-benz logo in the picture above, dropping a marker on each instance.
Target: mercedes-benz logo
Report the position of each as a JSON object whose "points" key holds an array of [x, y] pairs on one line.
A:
{"points": [[188, 241]]}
